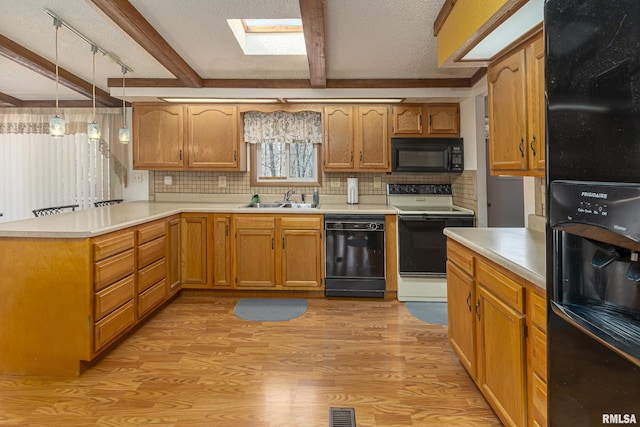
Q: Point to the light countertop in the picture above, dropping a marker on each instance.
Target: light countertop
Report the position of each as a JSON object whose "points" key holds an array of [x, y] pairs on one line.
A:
{"points": [[520, 250], [96, 221]]}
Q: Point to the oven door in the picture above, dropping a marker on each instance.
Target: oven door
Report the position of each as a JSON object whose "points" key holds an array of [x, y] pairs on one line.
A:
{"points": [[422, 244]]}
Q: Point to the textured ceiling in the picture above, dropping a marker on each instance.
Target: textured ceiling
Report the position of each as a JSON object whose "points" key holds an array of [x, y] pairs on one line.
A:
{"points": [[365, 39]]}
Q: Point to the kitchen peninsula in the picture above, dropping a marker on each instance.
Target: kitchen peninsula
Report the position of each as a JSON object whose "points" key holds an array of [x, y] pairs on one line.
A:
{"points": [[74, 284]]}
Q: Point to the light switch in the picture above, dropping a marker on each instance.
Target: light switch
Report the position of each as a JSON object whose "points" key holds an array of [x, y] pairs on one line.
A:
{"points": [[168, 180], [335, 182], [222, 181]]}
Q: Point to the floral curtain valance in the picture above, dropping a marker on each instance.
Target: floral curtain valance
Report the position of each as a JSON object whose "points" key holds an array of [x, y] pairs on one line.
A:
{"points": [[282, 126]]}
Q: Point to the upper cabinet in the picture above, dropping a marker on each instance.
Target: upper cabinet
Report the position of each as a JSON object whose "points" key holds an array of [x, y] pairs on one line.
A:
{"points": [[177, 137], [213, 138], [426, 120], [158, 137], [356, 139], [516, 111]]}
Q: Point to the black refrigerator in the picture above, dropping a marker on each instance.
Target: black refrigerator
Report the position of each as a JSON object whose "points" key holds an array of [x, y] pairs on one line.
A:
{"points": [[592, 86]]}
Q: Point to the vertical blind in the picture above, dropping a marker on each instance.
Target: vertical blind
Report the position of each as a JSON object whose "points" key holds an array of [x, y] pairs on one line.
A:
{"points": [[38, 171]]}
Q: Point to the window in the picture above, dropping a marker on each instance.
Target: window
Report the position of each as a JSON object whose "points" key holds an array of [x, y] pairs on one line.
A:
{"points": [[295, 162], [269, 36], [285, 147]]}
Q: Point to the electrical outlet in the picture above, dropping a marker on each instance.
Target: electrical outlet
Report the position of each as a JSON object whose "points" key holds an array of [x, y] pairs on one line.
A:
{"points": [[136, 177], [222, 181], [377, 182], [168, 180], [335, 182]]}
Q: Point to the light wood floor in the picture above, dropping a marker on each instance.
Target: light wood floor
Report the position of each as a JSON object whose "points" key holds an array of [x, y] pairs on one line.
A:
{"points": [[196, 364]]}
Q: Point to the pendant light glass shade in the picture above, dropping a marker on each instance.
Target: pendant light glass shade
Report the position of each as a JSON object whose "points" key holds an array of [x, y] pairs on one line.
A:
{"points": [[124, 135], [56, 124], [93, 130], [56, 127]]}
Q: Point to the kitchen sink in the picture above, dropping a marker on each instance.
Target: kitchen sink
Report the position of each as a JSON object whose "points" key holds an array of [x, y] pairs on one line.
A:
{"points": [[288, 205]]}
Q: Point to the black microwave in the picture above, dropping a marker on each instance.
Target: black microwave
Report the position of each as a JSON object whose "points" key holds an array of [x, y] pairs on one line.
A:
{"points": [[427, 155]]}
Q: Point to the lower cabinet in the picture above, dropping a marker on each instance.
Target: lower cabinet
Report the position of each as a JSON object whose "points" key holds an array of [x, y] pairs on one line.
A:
{"points": [[173, 254], [278, 252], [490, 329], [194, 242], [131, 272], [222, 251]]}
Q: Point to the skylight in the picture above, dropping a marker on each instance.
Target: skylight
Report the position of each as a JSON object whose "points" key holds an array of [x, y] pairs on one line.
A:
{"points": [[269, 36]]}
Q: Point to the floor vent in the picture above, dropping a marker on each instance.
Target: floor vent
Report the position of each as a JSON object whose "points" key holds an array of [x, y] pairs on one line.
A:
{"points": [[342, 417]]}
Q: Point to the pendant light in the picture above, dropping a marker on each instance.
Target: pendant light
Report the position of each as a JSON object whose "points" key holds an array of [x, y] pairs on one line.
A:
{"points": [[56, 124], [124, 135], [93, 129]]}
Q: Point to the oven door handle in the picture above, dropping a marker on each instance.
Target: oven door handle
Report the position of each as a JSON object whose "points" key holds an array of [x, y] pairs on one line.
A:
{"points": [[428, 217]]}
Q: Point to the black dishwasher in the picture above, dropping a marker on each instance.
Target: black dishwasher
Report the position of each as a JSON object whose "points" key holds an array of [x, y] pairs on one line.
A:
{"points": [[354, 256]]}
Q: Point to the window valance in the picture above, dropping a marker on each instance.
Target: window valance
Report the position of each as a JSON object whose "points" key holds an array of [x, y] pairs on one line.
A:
{"points": [[283, 126]]}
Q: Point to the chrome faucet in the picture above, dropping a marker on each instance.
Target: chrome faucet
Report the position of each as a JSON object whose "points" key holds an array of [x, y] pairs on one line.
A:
{"points": [[288, 194]]}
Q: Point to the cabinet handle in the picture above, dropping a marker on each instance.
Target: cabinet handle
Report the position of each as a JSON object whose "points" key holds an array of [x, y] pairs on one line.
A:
{"points": [[235, 156], [469, 301], [283, 243], [180, 154], [521, 146], [226, 231], [361, 157], [273, 241], [532, 145], [478, 309], [352, 156]]}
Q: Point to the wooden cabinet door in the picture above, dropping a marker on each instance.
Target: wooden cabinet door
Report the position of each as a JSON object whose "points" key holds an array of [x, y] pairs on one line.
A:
{"points": [[443, 120], [407, 119], [173, 255], [194, 251], [301, 258], [213, 142], [461, 312], [158, 137], [255, 258], [221, 251], [507, 114], [338, 148], [372, 139], [502, 358], [536, 105]]}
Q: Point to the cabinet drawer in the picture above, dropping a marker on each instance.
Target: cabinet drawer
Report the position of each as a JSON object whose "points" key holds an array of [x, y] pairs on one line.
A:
{"points": [[151, 251], [151, 298], [114, 296], [112, 269], [537, 310], [109, 245], [538, 341], [255, 222], [152, 231], [151, 274], [301, 222], [113, 325], [502, 286], [539, 401], [461, 257]]}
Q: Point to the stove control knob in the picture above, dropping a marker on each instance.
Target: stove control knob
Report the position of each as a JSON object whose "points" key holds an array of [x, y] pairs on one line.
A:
{"points": [[373, 226]]}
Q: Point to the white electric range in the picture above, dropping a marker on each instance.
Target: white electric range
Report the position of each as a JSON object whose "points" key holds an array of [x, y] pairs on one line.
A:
{"points": [[424, 210]]}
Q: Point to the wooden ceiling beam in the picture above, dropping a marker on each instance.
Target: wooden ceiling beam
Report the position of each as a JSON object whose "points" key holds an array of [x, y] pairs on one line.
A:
{"points": [[312, 13], [28, 59], [127, 17], [10, 100], [301, 84]]}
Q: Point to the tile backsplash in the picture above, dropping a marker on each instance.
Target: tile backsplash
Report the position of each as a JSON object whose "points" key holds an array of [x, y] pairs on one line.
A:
{"points": [[374, 184]]}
